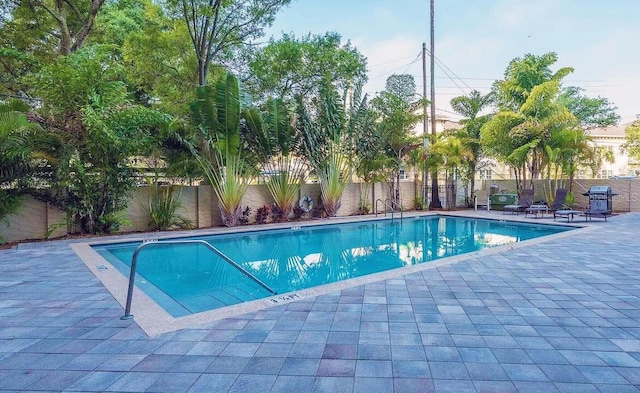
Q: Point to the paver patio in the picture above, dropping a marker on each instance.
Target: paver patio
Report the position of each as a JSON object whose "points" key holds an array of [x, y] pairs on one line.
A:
{"points": [[558, 316]]}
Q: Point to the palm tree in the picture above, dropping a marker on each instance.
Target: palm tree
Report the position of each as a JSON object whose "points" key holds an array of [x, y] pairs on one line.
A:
{"points": [[470, 107], [597, 156], [24, 149], [529, 114], [453, 154]]}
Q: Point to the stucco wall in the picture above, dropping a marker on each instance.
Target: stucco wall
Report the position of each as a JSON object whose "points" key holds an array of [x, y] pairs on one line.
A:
{"points": [[32, 221], [198, 204]]}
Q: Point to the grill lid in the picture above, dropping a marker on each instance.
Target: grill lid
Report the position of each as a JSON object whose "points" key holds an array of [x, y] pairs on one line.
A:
{"points": [[599, 190]]}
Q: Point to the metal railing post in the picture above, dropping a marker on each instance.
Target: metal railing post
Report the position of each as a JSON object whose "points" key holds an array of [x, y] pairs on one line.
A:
{"points": [[134, 264]]}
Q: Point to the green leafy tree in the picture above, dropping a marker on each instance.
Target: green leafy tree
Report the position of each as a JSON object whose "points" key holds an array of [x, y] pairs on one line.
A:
{"points": [[24, 45], [117, 20], [540, 126], [69, 22], [291, 67], [402, 86], [217, 27], [371, 162], [591, 113], [397, 116], [161, 68], [632, 144], [528, 115], [100, 131], [453, 153]]}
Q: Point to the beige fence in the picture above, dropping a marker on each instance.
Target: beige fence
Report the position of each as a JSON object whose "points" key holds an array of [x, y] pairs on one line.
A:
{"points": [[39, 220], [627, 200]]}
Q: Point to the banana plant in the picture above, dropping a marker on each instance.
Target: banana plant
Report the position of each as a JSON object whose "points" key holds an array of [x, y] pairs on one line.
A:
{"points": [[216, 112]]}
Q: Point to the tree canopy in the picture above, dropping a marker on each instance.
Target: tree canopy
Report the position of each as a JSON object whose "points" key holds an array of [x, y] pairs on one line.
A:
{"points": [[289, 66], [534, 112], [633, 139], [217, 27]]}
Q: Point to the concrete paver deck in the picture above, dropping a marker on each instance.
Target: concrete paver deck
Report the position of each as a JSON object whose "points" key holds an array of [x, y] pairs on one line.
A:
{"points": [[560, 316]]}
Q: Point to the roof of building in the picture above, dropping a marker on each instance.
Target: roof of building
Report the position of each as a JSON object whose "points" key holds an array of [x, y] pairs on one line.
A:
{"points": [[611, 131]]}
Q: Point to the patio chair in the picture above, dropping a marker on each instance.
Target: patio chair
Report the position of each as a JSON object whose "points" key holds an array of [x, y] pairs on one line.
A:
{"points": [[525, 199], [542, 208], [559, 200]]}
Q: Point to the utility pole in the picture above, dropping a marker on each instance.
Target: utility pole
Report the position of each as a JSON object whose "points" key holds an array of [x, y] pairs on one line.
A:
{"points": [[435, 199], [425, 122]]}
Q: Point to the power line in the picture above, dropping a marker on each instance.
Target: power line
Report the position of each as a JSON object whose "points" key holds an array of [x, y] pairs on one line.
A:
{"points": [[392, 61], [402, 66], [447, 71]]}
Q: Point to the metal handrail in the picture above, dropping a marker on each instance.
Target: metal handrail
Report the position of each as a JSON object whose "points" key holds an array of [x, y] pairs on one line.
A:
{"points": [[134, 264], [388, 203]]}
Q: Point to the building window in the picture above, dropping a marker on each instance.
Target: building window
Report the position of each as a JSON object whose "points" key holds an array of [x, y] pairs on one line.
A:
{"points": [[403, 174], [485, 174], [606, 174]]}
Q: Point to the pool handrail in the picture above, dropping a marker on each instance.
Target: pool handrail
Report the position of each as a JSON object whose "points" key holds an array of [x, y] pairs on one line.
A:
{"points": [[134, 264], [388, 203]]}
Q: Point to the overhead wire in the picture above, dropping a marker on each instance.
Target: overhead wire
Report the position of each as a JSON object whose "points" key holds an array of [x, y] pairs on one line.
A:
{"points": [[392, 61], [405, 66]]}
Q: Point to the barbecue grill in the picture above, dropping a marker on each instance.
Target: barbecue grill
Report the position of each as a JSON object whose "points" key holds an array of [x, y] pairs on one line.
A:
{"points": [[600, 201]]}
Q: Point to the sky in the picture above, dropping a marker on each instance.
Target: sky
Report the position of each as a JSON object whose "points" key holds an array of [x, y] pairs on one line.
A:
{"points": [[476, 39]]}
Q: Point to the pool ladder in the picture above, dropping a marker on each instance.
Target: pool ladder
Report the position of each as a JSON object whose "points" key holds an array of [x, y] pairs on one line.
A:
{"points": [[152, 243], [391, 205]]}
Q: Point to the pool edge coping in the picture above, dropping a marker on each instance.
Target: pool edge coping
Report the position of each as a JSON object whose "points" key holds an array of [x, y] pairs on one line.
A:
{"points": [[154, 320]]}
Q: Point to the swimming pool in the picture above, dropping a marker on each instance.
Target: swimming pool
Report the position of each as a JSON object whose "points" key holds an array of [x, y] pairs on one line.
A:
{"points": [[189, 278]]}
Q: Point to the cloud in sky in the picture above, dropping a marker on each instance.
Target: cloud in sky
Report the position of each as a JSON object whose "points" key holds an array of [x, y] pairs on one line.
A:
{"points": [[475, 40]]}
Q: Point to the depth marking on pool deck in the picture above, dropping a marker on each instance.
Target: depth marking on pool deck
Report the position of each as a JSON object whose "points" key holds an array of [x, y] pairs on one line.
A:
{"points": [[285, 298], [154, 320]]}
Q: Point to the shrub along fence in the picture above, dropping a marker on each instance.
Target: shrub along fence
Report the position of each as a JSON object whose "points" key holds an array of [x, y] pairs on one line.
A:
{"points": [[198, 204]]}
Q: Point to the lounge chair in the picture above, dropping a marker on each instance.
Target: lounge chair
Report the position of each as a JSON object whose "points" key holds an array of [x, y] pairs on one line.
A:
{"points": [[524, 201], [558, 203], [559, 200]]}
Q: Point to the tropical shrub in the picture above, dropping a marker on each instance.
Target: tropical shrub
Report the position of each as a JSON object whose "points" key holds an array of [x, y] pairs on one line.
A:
{"points": [[262, 214], [326, 144], [217, 114], [24, 149], [276, 139], [244, 218], [298, 213], [99, 129], [163, 207]]}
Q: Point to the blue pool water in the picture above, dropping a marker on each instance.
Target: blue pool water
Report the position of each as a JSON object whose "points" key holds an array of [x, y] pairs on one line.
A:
{"points": [[190, 278]]}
